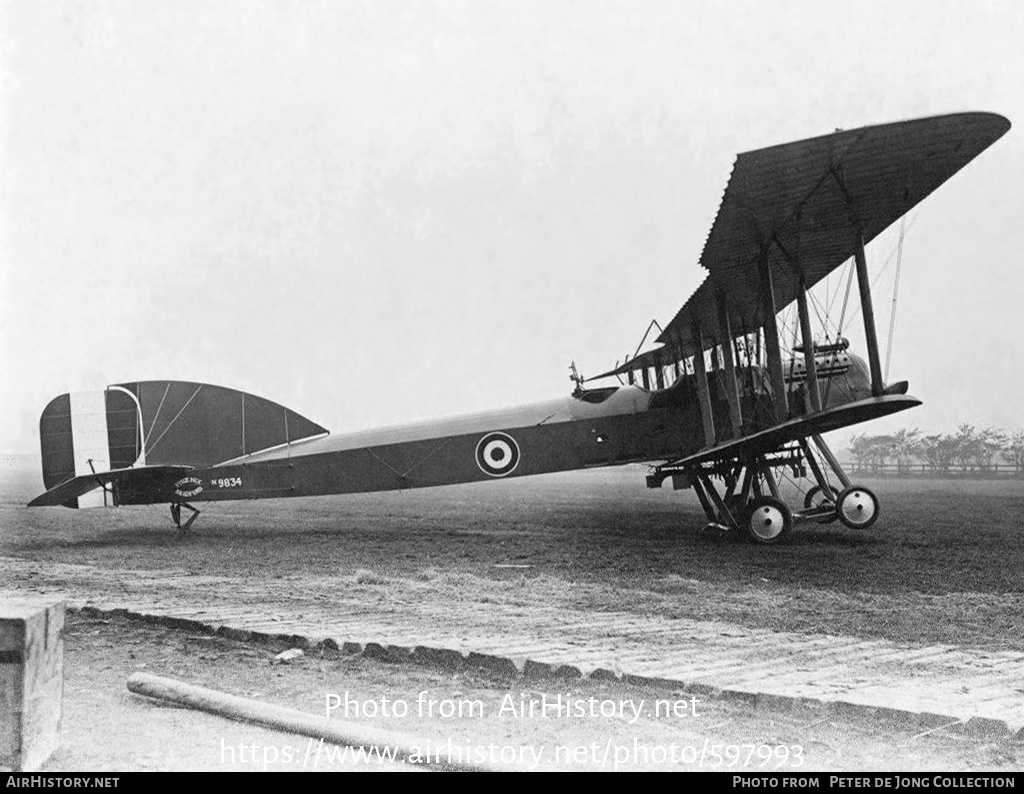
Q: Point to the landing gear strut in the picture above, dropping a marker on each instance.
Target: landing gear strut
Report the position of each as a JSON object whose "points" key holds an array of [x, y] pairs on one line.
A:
{"points": [[751, 505], [176, 515]]}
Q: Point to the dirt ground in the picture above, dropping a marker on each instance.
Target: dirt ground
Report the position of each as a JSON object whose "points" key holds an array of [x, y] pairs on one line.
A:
{"points": [[943, 566], [109, 729]]}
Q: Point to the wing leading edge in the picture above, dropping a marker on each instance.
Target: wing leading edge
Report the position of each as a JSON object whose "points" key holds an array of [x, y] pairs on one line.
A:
{"points": [[799, 210]]}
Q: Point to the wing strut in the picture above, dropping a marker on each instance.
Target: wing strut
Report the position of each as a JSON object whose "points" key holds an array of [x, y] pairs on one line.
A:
{"points": [[659, 372], [771, 341], [864, 283], [703, 393], [732, 388], [810, 365]]}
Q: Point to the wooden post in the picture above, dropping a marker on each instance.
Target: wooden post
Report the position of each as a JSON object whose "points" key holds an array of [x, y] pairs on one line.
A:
{"points": [[31, 680], [659, 373], [414, 751], [732, 387], [703, 392], [864, 285]]}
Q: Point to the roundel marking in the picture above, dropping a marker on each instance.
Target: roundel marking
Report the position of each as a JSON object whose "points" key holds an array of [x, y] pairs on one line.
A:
{"points": [[497, 454]]}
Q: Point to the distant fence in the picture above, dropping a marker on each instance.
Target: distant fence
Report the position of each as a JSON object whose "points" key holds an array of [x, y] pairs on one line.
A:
{"points": [[997, 471]]}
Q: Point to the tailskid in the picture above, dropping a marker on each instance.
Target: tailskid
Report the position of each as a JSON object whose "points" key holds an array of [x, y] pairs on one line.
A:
{"points": [[176, 515]]}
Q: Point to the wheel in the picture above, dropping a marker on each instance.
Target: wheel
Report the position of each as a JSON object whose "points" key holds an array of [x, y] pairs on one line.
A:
{"points": [[857, 507], [768, 520], [816, 497]]}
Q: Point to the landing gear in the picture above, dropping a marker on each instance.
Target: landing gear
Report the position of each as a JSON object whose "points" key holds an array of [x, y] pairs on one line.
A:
{"points": [[176, 515], [769, 520], [750, 502], [857, 507]]}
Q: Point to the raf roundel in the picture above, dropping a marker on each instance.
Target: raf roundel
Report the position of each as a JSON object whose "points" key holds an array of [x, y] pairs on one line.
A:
{"points": [[497, 454]]}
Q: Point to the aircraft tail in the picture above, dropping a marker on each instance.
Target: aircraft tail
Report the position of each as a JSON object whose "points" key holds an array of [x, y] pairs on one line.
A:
{"points": [[161, 423]]}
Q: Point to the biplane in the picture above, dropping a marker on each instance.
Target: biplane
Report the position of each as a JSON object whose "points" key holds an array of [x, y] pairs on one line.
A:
{"points": [[732, 400]]}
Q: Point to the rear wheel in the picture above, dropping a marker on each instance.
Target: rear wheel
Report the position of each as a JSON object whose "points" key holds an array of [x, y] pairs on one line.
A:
{"points": [[857, 507], [768, 520], [818, 497]]}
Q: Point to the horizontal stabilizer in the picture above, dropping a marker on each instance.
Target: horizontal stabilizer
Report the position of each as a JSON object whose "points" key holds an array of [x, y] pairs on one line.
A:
{"points": [[68, 492]]}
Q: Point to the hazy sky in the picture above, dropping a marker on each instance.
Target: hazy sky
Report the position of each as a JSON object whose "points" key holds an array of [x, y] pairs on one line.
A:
{"points": [[375, 212]]}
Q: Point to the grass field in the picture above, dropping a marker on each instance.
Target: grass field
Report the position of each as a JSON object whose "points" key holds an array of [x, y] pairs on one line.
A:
{"points": [[944, 563]]}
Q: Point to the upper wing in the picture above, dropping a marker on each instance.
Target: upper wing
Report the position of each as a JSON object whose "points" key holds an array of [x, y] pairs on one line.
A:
{"points": [[801, 207]]}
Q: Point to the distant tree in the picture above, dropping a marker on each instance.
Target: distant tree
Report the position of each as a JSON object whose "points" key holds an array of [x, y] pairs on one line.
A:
{"points": [[906, 444], [966, 444], [871, 452], [968, 449], [882, 448], [939, 451], [859, 449], [988, 443], [1013, 450]]}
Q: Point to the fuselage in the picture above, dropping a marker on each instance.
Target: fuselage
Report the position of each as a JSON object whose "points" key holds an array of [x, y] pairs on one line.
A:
{"points": [[593, 427]]}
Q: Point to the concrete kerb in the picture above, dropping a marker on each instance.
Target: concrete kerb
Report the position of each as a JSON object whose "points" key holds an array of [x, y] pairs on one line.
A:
{"points": [[238, 635], [502, 666], [543, 671], [987, 728], [447, 659], [450, 660]]}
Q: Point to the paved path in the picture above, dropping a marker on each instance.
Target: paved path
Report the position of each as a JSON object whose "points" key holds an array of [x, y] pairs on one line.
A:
{"points": [[940, 679]]}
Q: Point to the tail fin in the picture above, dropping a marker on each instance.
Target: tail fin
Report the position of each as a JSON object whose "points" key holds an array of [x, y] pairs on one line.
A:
{"points": [[154, 423]]}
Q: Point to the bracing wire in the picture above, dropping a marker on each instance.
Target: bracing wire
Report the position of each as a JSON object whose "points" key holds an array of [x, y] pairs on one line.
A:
{"points": [[888, 261], [895, 296]]}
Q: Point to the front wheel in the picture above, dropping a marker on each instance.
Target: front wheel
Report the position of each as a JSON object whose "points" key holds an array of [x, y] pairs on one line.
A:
{"points": [[768, 520], [857, 507]]}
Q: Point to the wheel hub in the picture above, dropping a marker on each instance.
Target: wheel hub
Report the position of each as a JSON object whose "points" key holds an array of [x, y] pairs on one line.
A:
{"points": [[858, 507], [766, 521]]}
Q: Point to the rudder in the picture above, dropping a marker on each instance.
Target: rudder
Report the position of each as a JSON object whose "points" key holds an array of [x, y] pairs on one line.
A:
{"points": [[164, 422]]}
